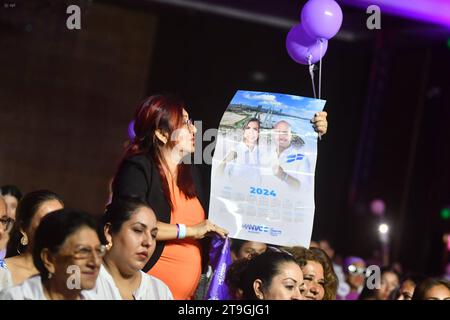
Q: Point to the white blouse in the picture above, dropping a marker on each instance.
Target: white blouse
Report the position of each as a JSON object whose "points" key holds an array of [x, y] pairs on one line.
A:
{"points": [[6, 280], [150, 288], [32, 289]]}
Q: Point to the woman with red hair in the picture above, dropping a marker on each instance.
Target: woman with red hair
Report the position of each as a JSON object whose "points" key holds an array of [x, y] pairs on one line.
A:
{"points": [[153, 170]]}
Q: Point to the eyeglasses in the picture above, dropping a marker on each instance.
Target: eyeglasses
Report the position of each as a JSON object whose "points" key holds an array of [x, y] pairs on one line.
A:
{"points": [[84, 252], [7, 223]]}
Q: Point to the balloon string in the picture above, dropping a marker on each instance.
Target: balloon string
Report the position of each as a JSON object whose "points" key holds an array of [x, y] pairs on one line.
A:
{"points": [[311, 73], [320, 69]]}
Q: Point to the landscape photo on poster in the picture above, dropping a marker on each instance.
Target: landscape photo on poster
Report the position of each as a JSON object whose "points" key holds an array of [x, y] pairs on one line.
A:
{"points": [[262, 181]]}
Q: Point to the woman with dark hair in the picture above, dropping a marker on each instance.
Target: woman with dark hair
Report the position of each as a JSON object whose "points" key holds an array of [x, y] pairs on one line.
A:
{"points": [[12, 195], [390, 280], [130, 230], [318, 274], [246, 249], [407, 287], [240, 249], [272, 275], [153, 170], [245, 157], [432, 289], [67, 253], [32, 208]]}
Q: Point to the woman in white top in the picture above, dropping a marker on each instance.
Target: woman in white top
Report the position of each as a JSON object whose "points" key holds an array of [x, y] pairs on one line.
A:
{"points": [[130, 231], [32, 208], [245, 158], [67, 253]]}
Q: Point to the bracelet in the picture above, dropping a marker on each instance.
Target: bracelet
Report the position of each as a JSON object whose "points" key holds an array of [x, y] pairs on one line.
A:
{"points": [[181, 231]]}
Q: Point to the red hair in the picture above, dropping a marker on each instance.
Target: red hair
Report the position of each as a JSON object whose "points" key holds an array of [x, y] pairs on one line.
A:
{"points": [[164, 113]]}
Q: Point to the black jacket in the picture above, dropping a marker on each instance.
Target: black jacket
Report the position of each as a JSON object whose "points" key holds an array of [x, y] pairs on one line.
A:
{"points": [[138, 176]]}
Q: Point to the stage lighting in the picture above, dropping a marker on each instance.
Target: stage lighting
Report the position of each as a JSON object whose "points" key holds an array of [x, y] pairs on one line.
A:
{"points": [[383, 228], [445, 213]]}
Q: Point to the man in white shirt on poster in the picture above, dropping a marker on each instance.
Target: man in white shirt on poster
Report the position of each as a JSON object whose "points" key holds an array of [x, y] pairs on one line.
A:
{"points": [[294, 166]]}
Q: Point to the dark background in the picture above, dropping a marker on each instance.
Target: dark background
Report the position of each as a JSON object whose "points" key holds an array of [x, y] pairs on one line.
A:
{"points": [[66, 98]]}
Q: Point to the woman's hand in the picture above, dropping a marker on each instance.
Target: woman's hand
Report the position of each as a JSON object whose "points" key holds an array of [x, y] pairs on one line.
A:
{"points": [[320, 123], [199, 231], [277, 171]]}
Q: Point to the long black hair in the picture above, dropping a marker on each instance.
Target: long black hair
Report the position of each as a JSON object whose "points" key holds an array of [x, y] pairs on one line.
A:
{"points": [[121, 210], [413, 277], [423, 287], [242, 274], [27, 208]]}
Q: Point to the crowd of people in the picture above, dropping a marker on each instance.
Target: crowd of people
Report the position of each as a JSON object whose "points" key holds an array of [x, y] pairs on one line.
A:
{"points": [[73, 255], [151, 243]]}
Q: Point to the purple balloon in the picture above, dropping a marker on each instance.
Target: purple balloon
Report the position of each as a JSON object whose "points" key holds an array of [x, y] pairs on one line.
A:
{"points": [[131, 133], [321, 19], [301, 47], [377, 207]]}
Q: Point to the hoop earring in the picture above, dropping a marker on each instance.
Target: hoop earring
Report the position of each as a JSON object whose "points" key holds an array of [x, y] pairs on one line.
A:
{"points": [[24, 240]]}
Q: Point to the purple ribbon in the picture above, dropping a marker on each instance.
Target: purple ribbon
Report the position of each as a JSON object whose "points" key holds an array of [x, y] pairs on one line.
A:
{"points": [[220, 259], [2, 258]]}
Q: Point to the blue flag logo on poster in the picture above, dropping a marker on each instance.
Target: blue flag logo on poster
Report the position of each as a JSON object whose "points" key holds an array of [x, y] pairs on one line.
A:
{"points": [[294, 157]]}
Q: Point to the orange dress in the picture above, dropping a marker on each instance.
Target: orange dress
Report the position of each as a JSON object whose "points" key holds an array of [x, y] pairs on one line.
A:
{"points": [[180, 264]]}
